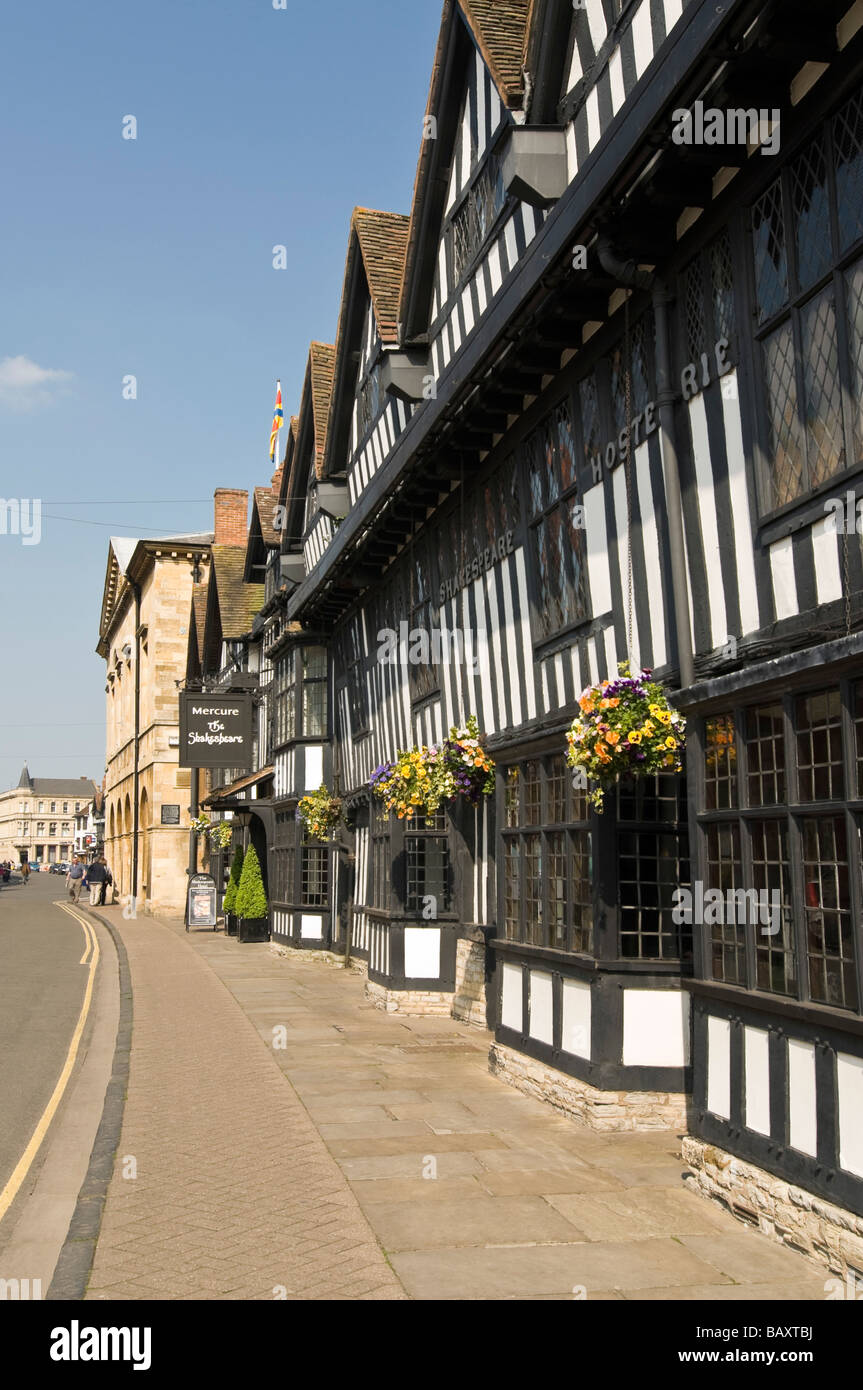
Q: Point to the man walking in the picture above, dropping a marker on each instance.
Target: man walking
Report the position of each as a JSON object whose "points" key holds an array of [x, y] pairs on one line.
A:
{"points": [[97, 879], [75, 879]]}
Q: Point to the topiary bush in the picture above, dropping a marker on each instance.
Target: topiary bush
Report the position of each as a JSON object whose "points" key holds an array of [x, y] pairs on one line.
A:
{"points": [[230, 903], [251, 901]]}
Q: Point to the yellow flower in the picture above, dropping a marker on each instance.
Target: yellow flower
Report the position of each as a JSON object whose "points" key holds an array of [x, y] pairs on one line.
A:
{"points": [[635, 736], [647, 728], [671, 743], [669, 760]]}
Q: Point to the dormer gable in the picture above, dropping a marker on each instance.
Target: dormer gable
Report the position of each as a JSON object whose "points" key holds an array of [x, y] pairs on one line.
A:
{"points": [[368, 331], [477, 87]]}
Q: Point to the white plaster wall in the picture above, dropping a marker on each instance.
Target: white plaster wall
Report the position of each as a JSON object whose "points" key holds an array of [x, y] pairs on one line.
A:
{"points": [[801, 1096], [756, 1064], [311, 927], [655, 1028], [511, 1001], [849, 1076], [541, 1013], [719, 1067], [422, 953], [576, 1018], [314, 767]]}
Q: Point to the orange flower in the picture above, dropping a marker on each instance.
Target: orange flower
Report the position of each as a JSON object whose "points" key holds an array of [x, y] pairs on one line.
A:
{"points": [[612, 738]]}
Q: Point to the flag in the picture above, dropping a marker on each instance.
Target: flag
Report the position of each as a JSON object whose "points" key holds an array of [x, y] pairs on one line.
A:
{"points": [[277, 421]]}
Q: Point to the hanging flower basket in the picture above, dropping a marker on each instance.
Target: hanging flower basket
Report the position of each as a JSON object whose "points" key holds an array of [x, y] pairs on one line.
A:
{"points": [[626, 728], [421, 779], [219, 832], [320, 813]]}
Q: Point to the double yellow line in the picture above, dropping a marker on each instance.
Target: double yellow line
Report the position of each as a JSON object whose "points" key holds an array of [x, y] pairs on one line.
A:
{"points": [[91, 955]]}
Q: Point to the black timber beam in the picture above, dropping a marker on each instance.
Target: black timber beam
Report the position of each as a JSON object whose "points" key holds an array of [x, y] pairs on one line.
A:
{"points": [[691, 48]]}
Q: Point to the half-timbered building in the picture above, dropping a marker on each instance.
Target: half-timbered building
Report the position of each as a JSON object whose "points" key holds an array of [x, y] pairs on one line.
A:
{"points": [[600, 398]]}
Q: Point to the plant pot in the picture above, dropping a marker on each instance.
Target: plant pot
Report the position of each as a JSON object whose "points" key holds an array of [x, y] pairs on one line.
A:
{"points": [[230, 924], [253, 929]]}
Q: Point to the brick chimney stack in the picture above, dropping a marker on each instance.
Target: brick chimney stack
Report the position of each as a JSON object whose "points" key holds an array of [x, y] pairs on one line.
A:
{"points": [[231, 516]]}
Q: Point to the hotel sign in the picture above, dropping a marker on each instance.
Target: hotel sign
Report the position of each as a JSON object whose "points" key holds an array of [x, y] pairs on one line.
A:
{"points": [[215, 730], [482, 561]]}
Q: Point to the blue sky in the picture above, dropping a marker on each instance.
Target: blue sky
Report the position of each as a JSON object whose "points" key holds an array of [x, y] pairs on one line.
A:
{"points": [[255, 127]]}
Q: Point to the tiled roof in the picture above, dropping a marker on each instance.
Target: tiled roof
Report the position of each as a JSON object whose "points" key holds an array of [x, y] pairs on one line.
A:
{"points": [[322, 362], [238, 602], [383, 239], [266, 501], [59, 786], [500, 28]]}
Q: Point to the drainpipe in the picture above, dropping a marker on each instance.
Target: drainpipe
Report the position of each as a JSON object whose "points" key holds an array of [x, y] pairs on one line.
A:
{"points": [[136, 590], [627, 273]]}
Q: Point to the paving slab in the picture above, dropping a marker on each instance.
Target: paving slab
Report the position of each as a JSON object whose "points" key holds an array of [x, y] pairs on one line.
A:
{"points": [[466, 1189]]}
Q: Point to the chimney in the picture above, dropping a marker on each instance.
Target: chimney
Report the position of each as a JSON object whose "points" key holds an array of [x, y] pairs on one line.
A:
{"points": [[276, 481], [231, 513]]}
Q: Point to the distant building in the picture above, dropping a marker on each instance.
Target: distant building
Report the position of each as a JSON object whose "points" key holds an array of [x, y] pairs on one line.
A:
{"points": [[37, 817], [90, 827]]}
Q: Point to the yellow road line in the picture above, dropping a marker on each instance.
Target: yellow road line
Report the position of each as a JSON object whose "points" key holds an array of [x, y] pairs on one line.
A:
{"points": [[10, 1191], [89, 935]]}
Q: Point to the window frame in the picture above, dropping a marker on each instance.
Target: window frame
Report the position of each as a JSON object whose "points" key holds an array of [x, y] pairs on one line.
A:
{"points": [[571, 827], [791, 312], [794, 814]]}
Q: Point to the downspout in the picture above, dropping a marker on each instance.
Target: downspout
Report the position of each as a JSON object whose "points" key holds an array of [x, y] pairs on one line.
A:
{"points": [[627, 273], [136, 590]]}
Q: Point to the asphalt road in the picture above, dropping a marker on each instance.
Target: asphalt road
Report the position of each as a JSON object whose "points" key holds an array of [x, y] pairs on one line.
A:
{"points": [[41, 990]]}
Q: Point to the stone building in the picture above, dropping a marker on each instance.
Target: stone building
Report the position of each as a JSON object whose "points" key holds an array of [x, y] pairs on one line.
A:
{"points": [[143, 637], [38, 817]]}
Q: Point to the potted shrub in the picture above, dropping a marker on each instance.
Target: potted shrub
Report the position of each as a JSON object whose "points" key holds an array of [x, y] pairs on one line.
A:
{"points": [[229, 906], [251, 902], [626, 728]]}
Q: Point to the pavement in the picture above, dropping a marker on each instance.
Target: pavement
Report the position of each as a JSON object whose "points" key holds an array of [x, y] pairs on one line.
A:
{"points": [[282, 1138]]}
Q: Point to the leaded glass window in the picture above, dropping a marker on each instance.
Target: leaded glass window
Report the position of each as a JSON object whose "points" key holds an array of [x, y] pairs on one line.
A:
{"points": [[653, 862], [720, 763], [423, 670], [427, 861], [475, 218], [791, 866], [547, 856], [370, 400], [556, 535], [709, 310], [314, 875], [356, 680], [808, 300], [314, 713], [284, 699]]}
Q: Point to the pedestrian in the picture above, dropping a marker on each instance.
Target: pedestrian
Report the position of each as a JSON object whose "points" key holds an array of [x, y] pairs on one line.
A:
{"points": [[97, 878], [25, 871], [75, 879], [107, 886]]}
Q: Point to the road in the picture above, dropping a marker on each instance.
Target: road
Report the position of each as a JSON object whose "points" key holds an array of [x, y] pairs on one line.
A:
{"points": [[42, 985]]}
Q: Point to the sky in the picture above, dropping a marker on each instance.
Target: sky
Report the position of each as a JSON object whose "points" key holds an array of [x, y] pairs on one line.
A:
{"points": [[256, 127]]}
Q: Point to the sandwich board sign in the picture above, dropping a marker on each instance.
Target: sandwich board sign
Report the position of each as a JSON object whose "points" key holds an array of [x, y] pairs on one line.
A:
{"points": [[202, 901]]}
